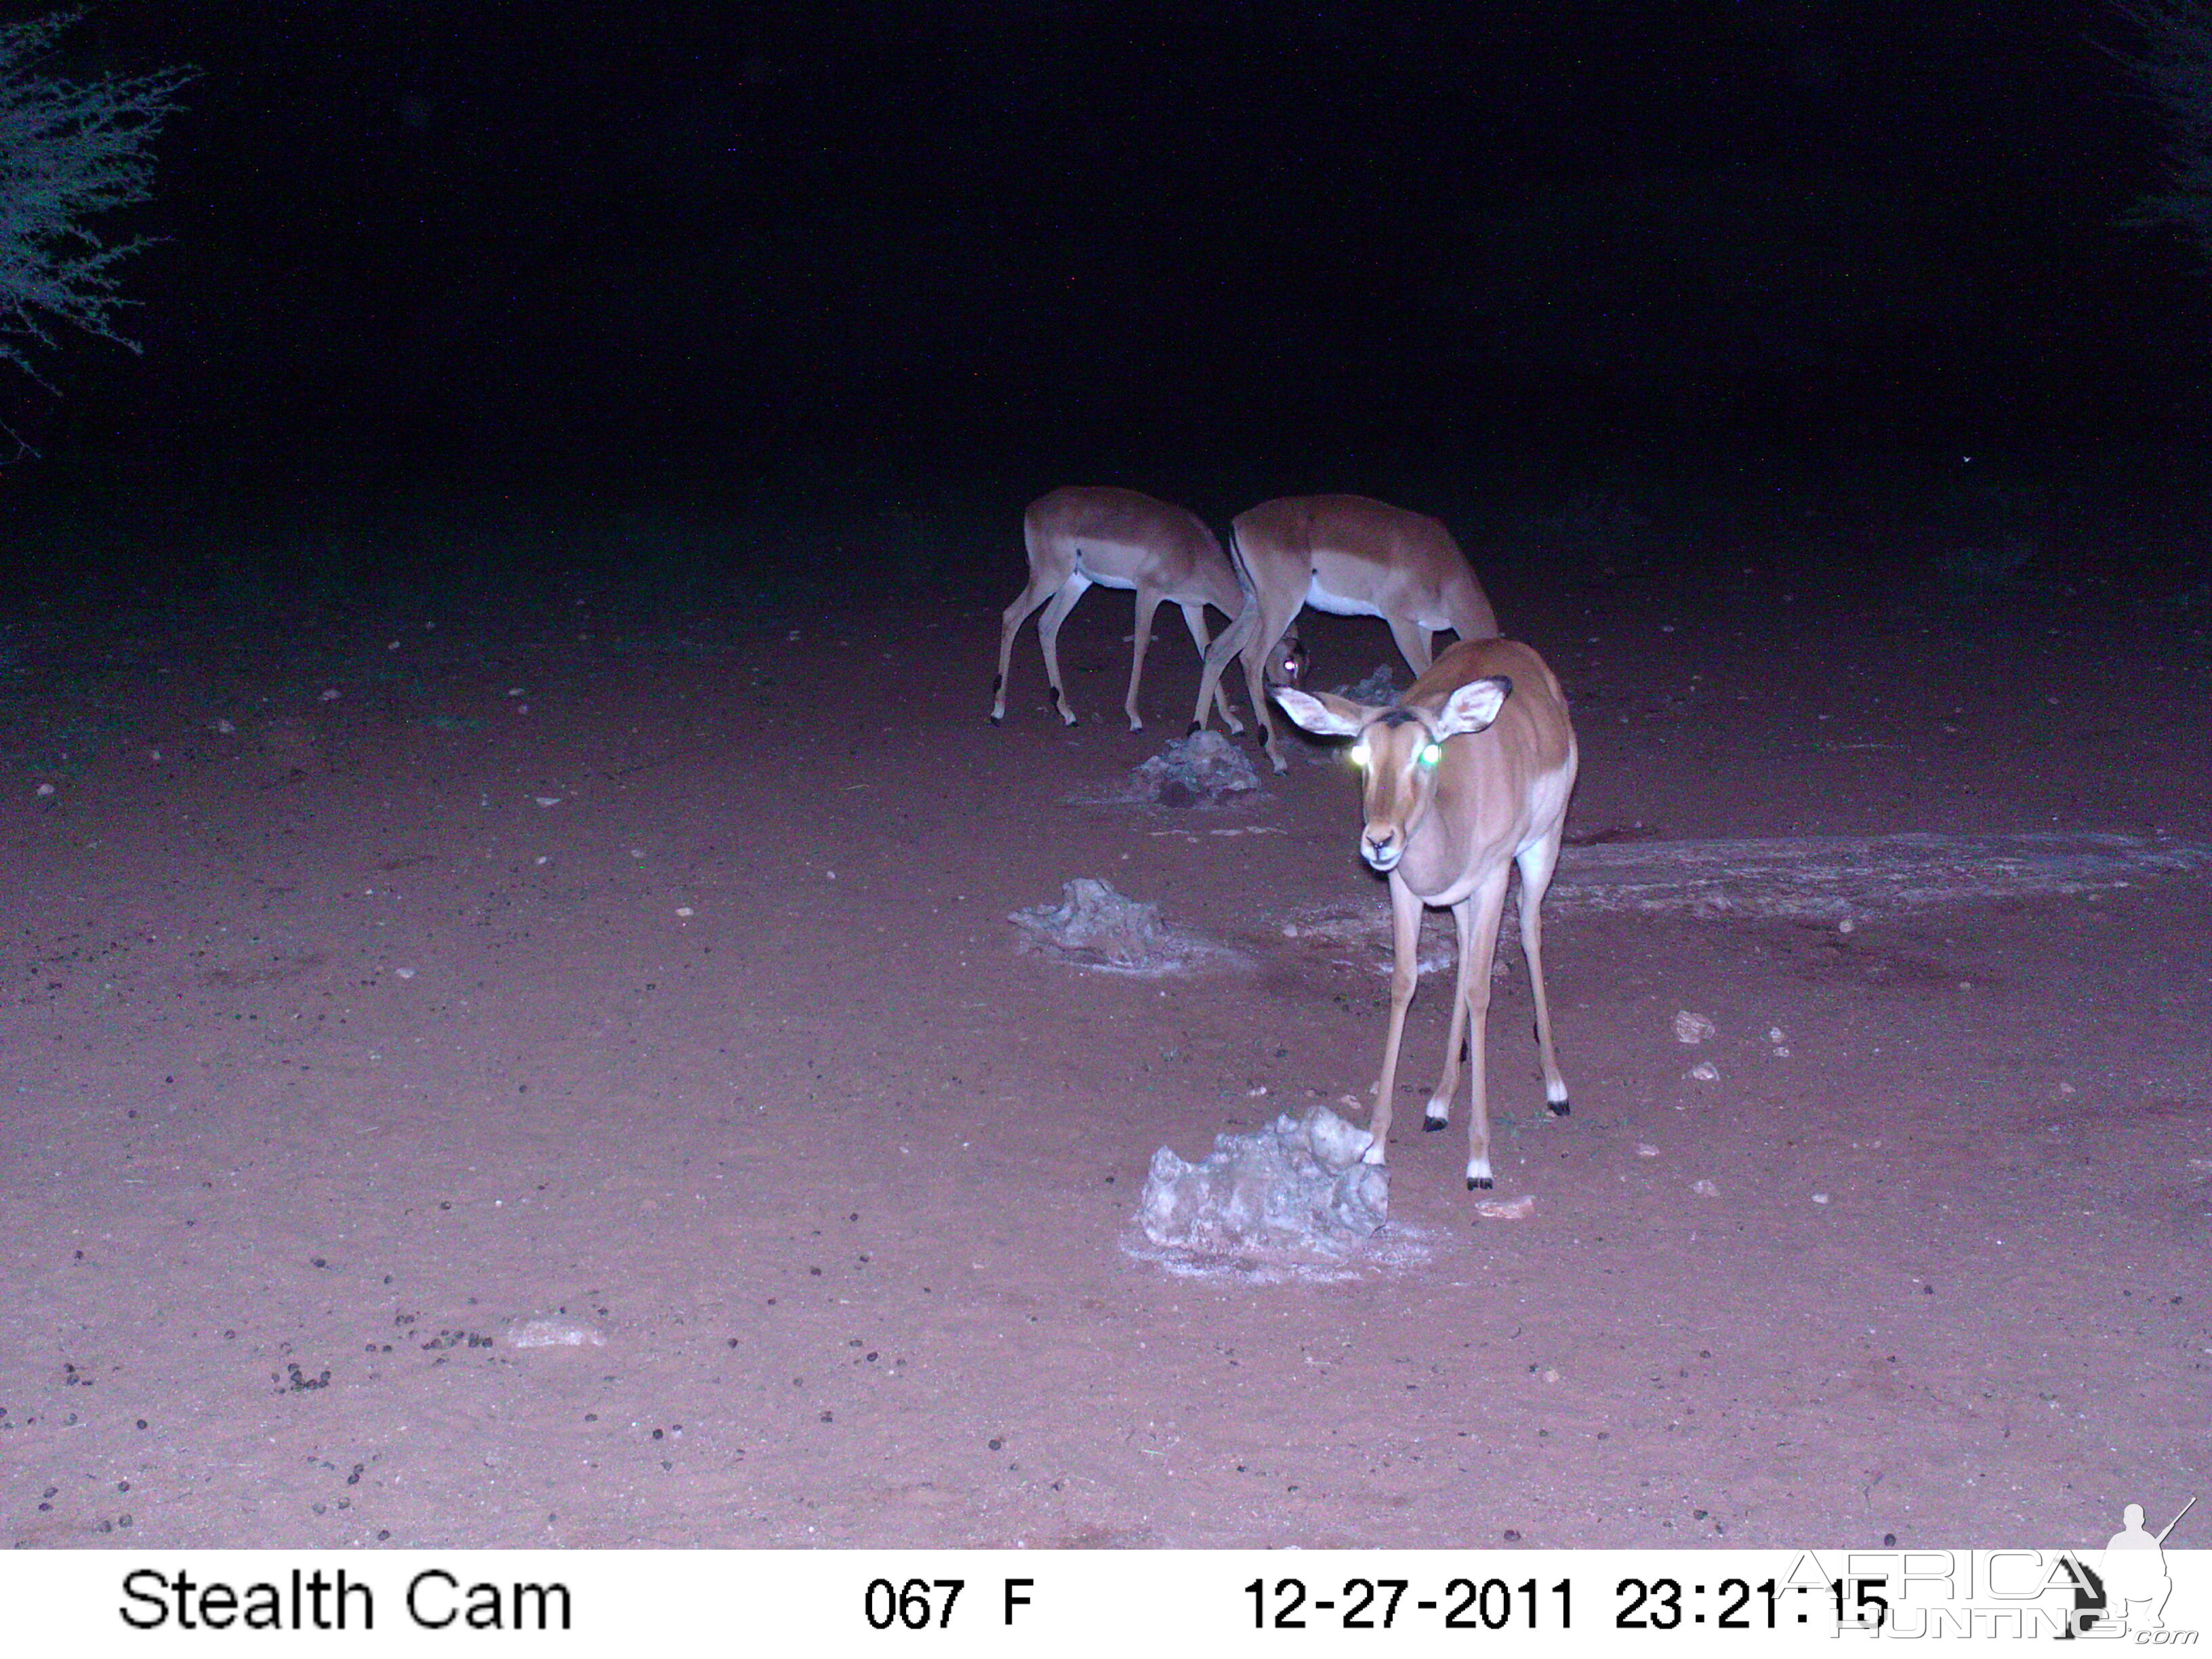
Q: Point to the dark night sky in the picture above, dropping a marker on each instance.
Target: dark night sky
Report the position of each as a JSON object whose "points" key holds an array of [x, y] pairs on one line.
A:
{"points": [[569, 238]]}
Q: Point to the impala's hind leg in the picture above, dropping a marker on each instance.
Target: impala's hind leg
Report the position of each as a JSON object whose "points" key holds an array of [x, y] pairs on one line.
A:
{"points": [[1074, 588], [1042, 584], [1537, 863]]}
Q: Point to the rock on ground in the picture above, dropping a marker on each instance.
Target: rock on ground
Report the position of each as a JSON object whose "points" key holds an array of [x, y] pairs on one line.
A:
{"points": [[1201, 768], [1094, 926], [1298, 1185]]}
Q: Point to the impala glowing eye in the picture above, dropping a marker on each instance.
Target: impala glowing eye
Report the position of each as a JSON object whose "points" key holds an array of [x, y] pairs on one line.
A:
{"points": [[1432, 753], [1359, 752]]}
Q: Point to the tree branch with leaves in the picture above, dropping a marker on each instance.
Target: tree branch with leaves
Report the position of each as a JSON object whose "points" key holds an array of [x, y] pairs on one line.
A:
{"points": [[71, 152], [2176, 66]]}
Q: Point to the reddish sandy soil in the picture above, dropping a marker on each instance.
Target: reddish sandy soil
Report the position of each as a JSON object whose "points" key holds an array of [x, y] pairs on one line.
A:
{"points": [[664, 990]]}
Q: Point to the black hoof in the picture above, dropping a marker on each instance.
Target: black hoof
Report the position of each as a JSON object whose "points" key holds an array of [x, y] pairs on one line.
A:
{"points": [[1432, 1124], [998, 719], [1558, 1108], [1480, 1183], [1194, 730]]}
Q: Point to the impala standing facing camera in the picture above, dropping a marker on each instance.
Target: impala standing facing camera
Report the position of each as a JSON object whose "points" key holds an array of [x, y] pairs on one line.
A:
{"points": [[1466, 774]]}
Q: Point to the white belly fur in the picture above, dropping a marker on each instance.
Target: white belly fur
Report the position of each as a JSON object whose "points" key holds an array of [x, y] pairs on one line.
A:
{"points": [[1335, 605], [1105, 563]]}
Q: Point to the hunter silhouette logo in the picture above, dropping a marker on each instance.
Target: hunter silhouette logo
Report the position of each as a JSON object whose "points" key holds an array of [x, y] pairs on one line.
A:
{"points": [[2136, 1581], [2118, 1593]]}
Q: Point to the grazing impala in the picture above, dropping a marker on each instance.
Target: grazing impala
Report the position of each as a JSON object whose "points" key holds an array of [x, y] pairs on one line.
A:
{"points": [[1350, 556], [1114, 537], [1467, 773]]}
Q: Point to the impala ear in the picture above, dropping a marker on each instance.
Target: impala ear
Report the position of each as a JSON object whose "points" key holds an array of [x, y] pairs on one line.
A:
{"points": [[1473, 706], [1324, 716]]}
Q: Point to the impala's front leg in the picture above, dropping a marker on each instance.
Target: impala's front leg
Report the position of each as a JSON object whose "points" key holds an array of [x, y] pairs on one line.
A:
{"points": [[1414, 643], [1218, 656], [1148, 601], [1405, 975], [1194, 615], [1257, 650], [1480, 933], [1438, 1112], [1536, 866]]}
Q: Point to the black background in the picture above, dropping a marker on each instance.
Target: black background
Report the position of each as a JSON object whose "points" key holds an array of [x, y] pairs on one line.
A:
{"points": [[592, 257]]}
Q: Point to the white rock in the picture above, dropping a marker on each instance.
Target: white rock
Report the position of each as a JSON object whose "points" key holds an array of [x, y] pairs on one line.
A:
{"points": [[555, 1332], [1300, 1184]]}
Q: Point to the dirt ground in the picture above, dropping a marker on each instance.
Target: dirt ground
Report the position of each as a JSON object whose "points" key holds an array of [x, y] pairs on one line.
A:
{"points": [[489, 1078]]}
